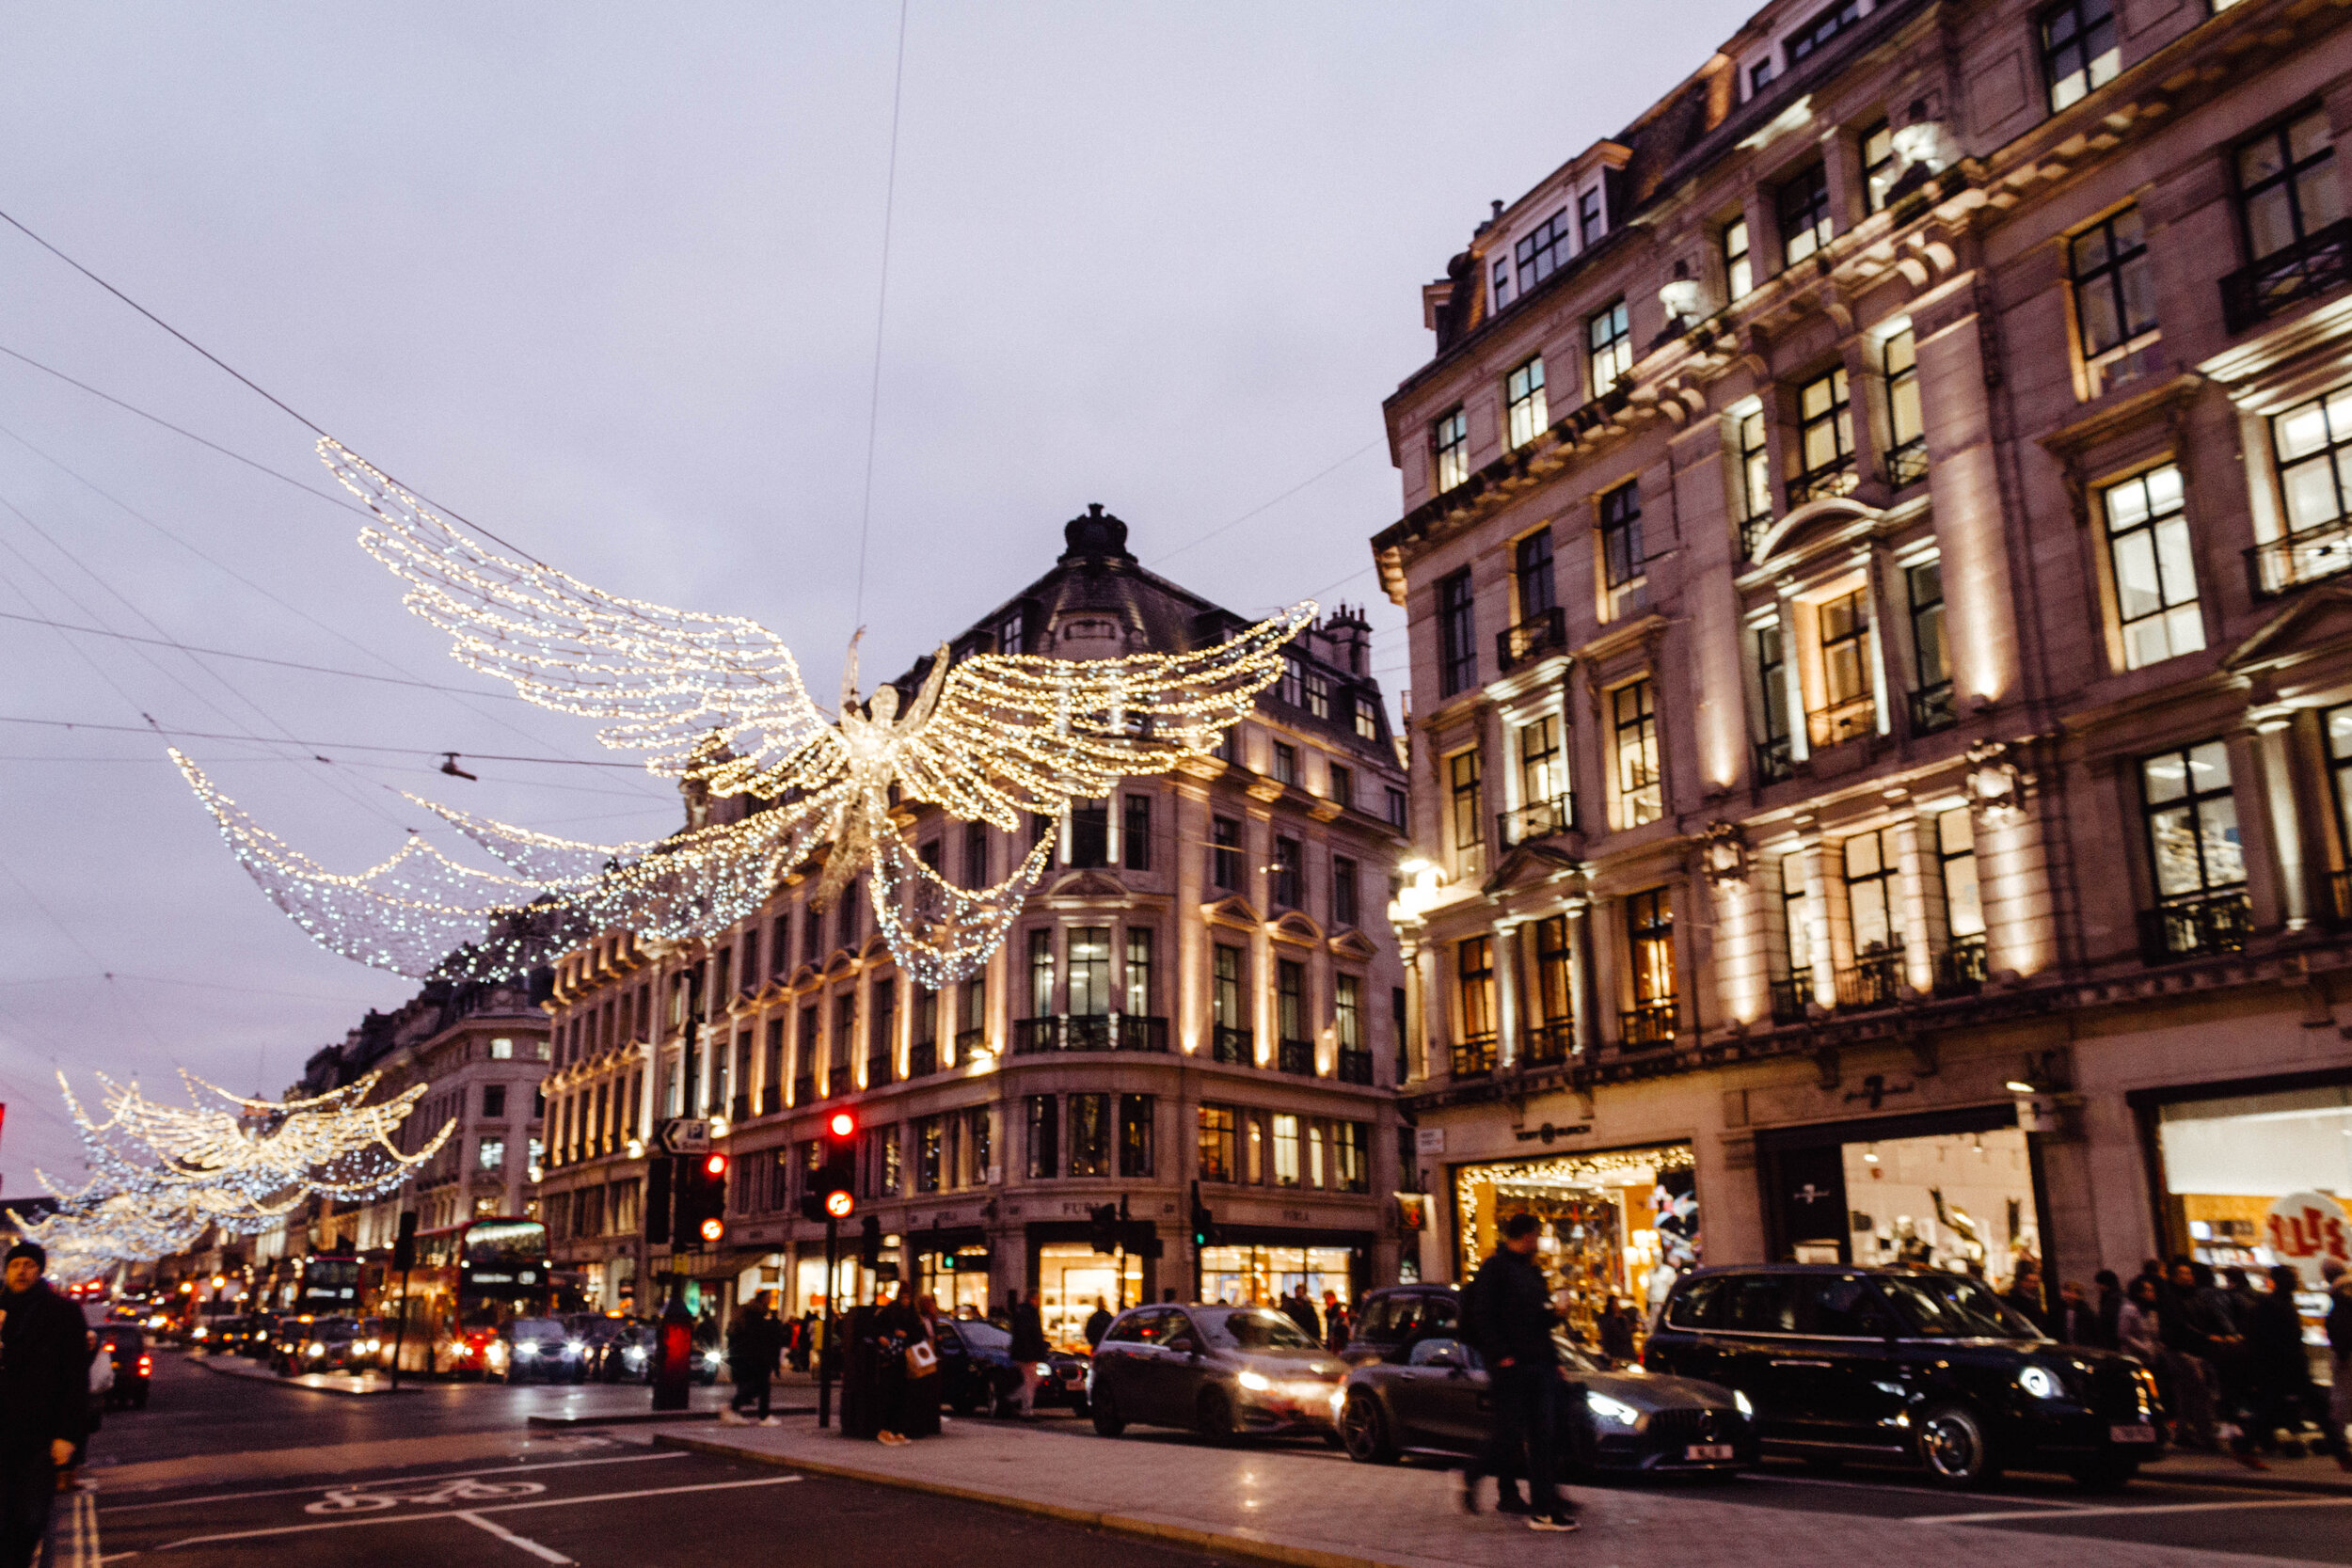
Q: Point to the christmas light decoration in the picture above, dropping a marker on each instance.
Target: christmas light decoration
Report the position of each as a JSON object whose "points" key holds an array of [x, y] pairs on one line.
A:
{"points": [[717, 701]]}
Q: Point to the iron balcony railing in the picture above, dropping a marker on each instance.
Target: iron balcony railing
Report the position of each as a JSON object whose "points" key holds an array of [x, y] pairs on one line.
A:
{"points": [[1355, 1065], [1295, 1056], [1548, 1044], [1837, 479], [1474, 1058], [1034, 1036], [1086, 1032], [1791, 997], [2195, 927], [2317, 263], [1960, 969], [1840, 722], [1907, 465], [739, 1108], [922, 1058], [804, 1089], [1535, 820], [1235, 1047], [971, 1043], [1775, 759], [2312, 556], [878, 1066], [1544, 632], [1647, 1025], [1871, 981], [1137, 1033], [1932, 708]]}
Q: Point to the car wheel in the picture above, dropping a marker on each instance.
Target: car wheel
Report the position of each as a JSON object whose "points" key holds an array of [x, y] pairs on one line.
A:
{"points": [[1213, 1416], [1958, 1451], [1109, 1422], [2104, 1475], [1364, 1430]]}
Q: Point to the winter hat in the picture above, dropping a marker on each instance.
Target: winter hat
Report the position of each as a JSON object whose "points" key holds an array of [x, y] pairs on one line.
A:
{"points": [[27, 1250]]}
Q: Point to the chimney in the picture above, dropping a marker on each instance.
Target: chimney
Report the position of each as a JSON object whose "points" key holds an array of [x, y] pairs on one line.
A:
{"points": [[1348, 634]]}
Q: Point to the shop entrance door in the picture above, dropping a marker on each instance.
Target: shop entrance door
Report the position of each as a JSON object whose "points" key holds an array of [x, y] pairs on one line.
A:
{"points": [[1811, 1195]]}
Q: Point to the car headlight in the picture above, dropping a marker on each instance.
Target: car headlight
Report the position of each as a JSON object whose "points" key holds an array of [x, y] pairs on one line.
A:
{"points": [[2041, 1382], [1255, 1382], [573, 1347], [1614, 1411], [316, 1347], [633, 1354], [525, 1350], [200, 1334], [1739, 1401], [457, 1347], [1044, 1369], [710, 1358]]}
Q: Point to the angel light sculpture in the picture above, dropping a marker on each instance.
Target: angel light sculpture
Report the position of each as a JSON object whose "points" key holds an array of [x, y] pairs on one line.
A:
{"points": [[717, 703]]}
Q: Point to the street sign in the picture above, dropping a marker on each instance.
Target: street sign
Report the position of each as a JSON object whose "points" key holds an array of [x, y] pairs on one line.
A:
{"points": [[685, 1136]]}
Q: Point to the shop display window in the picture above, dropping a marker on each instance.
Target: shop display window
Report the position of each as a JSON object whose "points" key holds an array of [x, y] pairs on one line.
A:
{"points": [[2256, 1179], [1621, 1224], [1958, 1201], [1071, 1278], [1262, 1275], [956, 1280]]}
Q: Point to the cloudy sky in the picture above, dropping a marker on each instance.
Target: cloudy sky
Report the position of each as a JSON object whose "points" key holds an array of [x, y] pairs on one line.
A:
{"points": [[605, 279]]}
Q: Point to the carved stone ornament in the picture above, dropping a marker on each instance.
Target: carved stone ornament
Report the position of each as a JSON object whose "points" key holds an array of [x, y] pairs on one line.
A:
{"points": [[1995, 789], [1727, 852]]}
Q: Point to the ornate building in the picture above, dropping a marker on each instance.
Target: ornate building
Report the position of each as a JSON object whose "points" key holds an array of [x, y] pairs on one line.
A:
{"points": [[1873, 541], [1204, 989]]}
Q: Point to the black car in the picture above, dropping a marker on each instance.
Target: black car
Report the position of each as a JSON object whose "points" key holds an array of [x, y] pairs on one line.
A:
{"points": [[1909, 1365], [1223, 1371], [1390, 1318], [979, 1372], [322, 1345], [134, 1366]]}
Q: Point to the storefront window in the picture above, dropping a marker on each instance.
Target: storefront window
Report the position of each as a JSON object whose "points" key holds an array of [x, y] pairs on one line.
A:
{"points": [[1959, 1201], [1260, 1275], [956, 1280], [1071, 1278], [1089, 1134], [1620, 1224], [1286, 1151], [2260, 1179]]}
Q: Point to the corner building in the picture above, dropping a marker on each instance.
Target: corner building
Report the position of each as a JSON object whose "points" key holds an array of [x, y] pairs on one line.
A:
{"points": [[1202, 988], [1873, 541]]}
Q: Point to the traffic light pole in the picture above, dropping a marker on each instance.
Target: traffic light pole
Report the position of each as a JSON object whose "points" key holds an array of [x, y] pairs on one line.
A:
{"points": [[825, 1346], [399, 1329]]}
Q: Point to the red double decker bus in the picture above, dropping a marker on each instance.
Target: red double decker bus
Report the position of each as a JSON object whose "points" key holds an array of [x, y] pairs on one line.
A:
{"points": [[470, 1281]]}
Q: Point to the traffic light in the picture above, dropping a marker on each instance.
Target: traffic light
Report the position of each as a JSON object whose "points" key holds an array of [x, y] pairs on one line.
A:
{"points": [[701, 1200], [869, 1242], [659, 1172], [833, 1186], [1203, 1220], [1102, 1227]]}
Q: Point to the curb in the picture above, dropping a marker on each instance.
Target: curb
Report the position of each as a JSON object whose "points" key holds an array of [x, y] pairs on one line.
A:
{"points": [[2250, 1480], [276, 1382], [1119, 1523], [649, 1418]]}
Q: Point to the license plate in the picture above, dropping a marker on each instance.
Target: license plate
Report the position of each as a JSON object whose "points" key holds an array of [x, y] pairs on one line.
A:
{"points": [[2130, 1434], [1698, 1452]]}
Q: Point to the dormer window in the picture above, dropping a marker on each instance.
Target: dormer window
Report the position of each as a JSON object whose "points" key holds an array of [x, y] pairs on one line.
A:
{"points": [[1009, 638], [1760, 75], [1503, 282], [1592, 219], [1823, 27], [1544, 251]]}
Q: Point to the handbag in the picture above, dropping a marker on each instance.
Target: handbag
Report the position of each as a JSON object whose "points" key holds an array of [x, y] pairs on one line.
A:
{"points": [[921, 1359]]}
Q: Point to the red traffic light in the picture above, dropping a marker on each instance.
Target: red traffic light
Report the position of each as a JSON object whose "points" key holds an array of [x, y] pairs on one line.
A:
{"points": [[716, 1164], [842, 1124], [838, 1204], [713, 1229]]}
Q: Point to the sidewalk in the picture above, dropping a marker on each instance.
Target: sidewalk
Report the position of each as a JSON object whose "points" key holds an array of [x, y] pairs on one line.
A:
{"points": [[354, 1384], [1309, 1506], [2318, 1473]]}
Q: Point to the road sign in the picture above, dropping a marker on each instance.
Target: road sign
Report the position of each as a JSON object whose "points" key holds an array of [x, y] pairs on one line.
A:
{"points": [[685, 1136]]}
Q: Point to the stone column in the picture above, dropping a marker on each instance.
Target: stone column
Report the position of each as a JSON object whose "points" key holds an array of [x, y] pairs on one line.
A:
{"points": [[1581, 1003], [1507, 1000], [2275, 787], [1920, 928], [1258, 844], [1980, 608], [1188, 999], [1816, 923]]}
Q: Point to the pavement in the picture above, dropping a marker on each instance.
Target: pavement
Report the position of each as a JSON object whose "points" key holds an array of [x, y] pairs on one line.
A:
{"points": [[354, 1384]]}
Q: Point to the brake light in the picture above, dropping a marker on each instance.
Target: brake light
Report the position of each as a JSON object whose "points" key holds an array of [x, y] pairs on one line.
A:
{"points": [[147, 1364]]}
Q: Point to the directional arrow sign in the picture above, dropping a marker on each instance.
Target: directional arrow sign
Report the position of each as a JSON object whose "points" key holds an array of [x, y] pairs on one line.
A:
{"points": [[685, 1136]]}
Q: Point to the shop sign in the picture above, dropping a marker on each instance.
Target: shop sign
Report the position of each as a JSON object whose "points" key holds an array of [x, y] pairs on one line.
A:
{"points": [[2038, 1113], [1412, 1212], [1429, 1140], [2307, 1229]]}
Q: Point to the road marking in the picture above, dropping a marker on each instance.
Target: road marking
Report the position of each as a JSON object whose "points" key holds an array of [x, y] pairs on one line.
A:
{"points": [[391, 1481], [340, 1500], [2149, 1508], [451, 1513], [545, 1554]]}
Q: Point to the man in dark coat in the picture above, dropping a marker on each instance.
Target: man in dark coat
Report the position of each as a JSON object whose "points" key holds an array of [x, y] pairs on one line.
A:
{"points": [[1299, 1308], [44, 1399], [1507, 1317], [1029, 1349], [753, 1342], [2110, 1309], [2074, 1323], [1098, 1323]]}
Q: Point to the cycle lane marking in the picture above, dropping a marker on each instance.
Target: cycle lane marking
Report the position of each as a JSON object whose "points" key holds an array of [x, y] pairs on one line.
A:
{"points": [[545, 1554], [392, 1518], [388, 1480]]}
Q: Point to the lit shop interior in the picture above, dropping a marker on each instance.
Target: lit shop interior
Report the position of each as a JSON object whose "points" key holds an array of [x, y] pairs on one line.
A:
{"points": [[1623, 1223], [1070, 1275], [1260, 1275], [1960, 1201], [956, 1280]]}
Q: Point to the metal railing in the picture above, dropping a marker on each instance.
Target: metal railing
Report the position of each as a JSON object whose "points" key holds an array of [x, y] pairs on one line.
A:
{"points": [[1871, 981], [1651, 1024], [1775, 760], [922, 1058], [1535, 820], [1547, 1044], [1852, 719], [1355, 1065], [878, 1069], [1960, 969], [2195, 927], [1086, 1032], [1034, 1036], [739, 1108], [1907, 465], [1237, 1047], [1544, 632], [1295, 1056], [1933, 708], [2315, 264], [1837, 479], [1791, 998], [804, 1089], [2312, 556], [971, 1043], [1138, 1033], [1474, 1058]]}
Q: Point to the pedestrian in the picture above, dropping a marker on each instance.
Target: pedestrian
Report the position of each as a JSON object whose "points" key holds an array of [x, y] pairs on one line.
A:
{"points": [[2025, 1293], [2074, 1323], [923, 1378], [2243, 1299], [2339, 1280], [2217, 1309], [2135, 1329], [1507, 1318], [753, 1340], [1098, 1323], [1616, 1333], [2110, 1309], [44, 1398], [1301, 1309], [2283, 1373], [896, 1328], [1334, 1323], [1028, 1349]]}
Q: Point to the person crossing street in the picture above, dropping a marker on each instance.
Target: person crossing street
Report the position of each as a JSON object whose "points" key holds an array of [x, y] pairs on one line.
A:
{"points": [[1507, 1318]]}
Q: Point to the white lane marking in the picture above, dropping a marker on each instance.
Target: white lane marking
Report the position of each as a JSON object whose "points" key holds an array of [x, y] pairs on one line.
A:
{"points": [[501, 1508], [545, 1554], [2149, 1508], [393, 1480], [1895, 1487], [459, 1490]]}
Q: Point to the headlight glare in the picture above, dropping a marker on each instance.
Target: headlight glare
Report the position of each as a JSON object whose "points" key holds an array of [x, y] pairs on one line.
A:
{"points": [[1740, 1402], [1614, 1411], [2041, 1382], [1257, 1382]]}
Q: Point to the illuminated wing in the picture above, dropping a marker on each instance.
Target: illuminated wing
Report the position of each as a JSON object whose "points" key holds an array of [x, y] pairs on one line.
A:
{"points": [[675, 684], [1012, 734]]}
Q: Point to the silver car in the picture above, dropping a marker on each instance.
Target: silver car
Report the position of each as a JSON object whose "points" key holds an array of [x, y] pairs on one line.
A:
{"points": [[1222, 1371]]}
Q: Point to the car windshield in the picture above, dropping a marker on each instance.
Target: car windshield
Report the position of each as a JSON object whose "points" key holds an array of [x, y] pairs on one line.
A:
{"points": [[538, 1328], [1254, 1328], [984, 1335], [1953, 1306]]}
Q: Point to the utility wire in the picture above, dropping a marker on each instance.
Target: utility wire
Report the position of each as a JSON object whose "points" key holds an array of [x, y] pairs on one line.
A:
{"points": [[1264, 506], [320, 745], [882, 308], [256, 658]]}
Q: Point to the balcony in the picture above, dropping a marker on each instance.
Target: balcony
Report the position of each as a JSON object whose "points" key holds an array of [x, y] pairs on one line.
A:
{"points": [[1960, 969], [771, 1099], [1355, 1067], [1535, 820], [2340, 897], [878, 1070], [739, 1111], [1871, 981], [2198, 927], [1791, 998], [804, 1089], [1548, 1044], [1649, 1025], [1474, 1058], [1235, 1047], [2310, 556], [1837, 479], [1034, 1036], [1853, 720], [1296, 1056], [922, 1058], [1774, 760], [971, 1043], [1932, 708], [1907, 465], [1544, 632], [1089, 1032], [2317, 263], [1137, 1033]]}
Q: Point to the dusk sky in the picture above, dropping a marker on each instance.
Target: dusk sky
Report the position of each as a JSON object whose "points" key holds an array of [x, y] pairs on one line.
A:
{"points": [[604, 278]]}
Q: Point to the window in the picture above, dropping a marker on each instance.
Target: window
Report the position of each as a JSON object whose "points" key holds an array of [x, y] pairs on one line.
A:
{"points": [[1796, 917], [2339, 722], [2155, 581], [1367, 716], [1873, 899], [1502, 281], [490, 1154], [1592, 218], [1134, 833], [1219, 1140], [2115, 297], [1138, 973], [1286, 1151], [1956, 852], [1823, 27], [1523, 399], [1089, 970], [1772, 674], [1290, 1004], [1458, 654], [1089, 1134], [1739, 265], [1042, 974], [1449, 444], [1090, 833], [1898, 362], [1342, 782], [1291, 686], [1543, 252], [1344, 909], [1930, 656], [1624, 560], [1650, 928], [1009, 638], [1760, 75], [1850, 706], [1802, 205], [1462, 775], [2313, 444], [972, 998], [1641, 786], [1474, 972], [1878, 165], [2079, 49], [1285, 763], [849, 916], [844, 1031], [1225, 1002], [2192, 823], [1756, 479], [1554, 993], [1287, 867], [1044, 1137], [1225, 853], [502, 1049], [493, 1101], [1530, 571], [976, 854], [1825, 437], [1135, 1133], [930, 1149], [976, 1146], [1396, 807], [2286, 182], [1318, 694], [1610, 338], [1347, 1012]]}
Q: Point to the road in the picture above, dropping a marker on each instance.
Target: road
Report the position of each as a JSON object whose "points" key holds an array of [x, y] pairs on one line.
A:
{"points": [[451, 1476]]}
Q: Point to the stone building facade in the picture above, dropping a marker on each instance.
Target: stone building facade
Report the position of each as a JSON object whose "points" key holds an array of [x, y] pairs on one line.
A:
{"points": [[1203, 987], [1872, 540]]}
